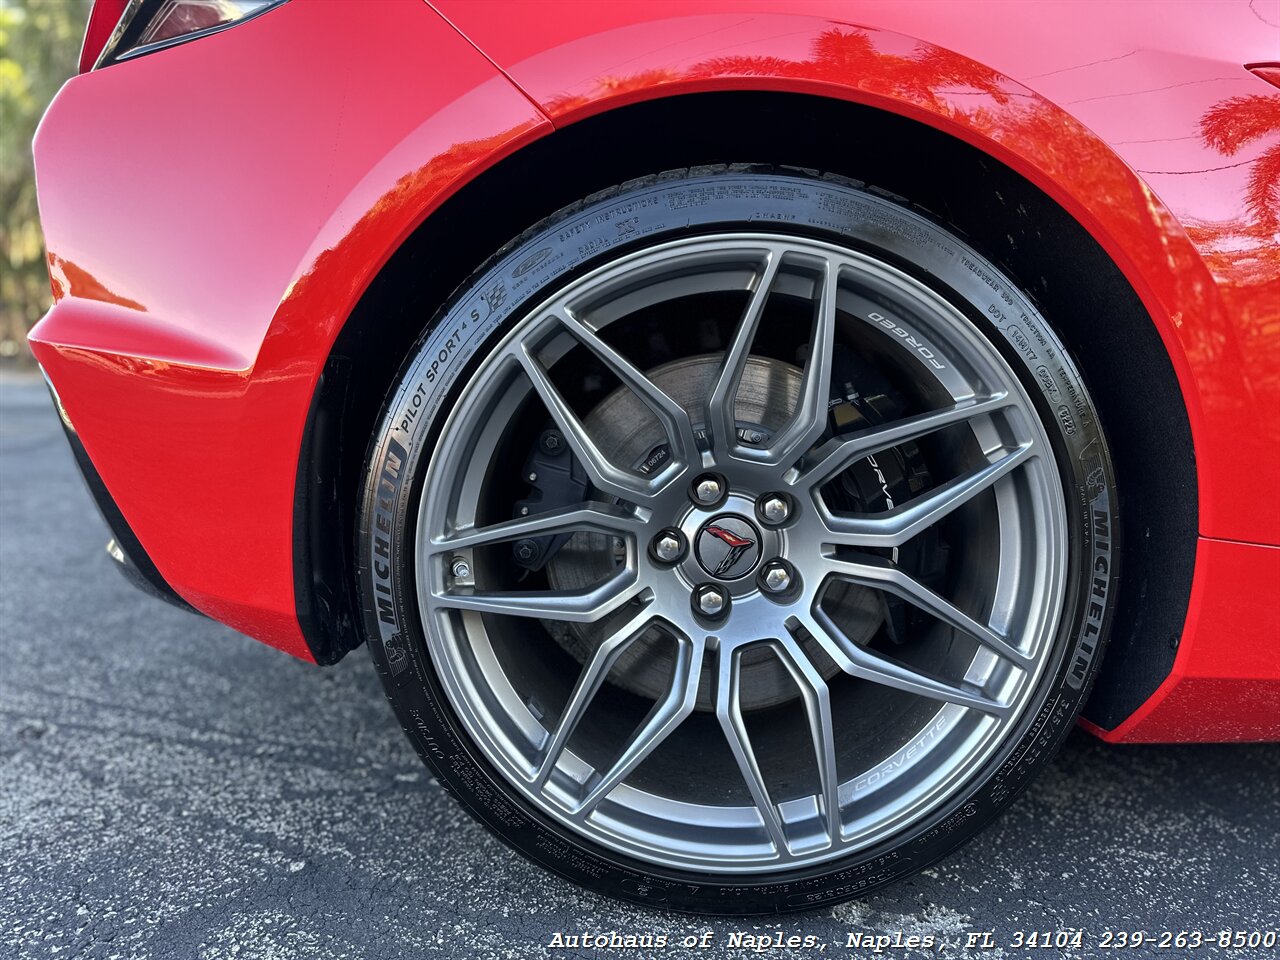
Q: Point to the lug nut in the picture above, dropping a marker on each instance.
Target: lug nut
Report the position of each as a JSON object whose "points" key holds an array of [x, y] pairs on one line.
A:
{"points": [[711, 600], [707, 490], [774, 508], [668, 545], [461, 569], [776, 577]]}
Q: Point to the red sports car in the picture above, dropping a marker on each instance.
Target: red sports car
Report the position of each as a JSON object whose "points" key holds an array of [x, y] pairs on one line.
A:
{"points": [[736, 429]]}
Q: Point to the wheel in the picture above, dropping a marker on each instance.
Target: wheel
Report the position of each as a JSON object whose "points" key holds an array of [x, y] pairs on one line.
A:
{"points": [[739, 540]]}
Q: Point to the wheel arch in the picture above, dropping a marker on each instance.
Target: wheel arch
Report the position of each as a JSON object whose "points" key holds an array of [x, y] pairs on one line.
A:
{"points": [[1051, 254]]}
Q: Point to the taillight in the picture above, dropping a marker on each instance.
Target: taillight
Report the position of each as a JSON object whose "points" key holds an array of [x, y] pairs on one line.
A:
{"points": [[1269, 72], [122, 29]]}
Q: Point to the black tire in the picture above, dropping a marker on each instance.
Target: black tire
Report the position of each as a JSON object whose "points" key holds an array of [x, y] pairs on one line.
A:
{"points": [[663, 207]]}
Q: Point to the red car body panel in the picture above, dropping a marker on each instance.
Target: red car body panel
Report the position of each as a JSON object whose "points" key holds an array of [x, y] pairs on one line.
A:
{"points": [[201, 283], [1223, 684]]}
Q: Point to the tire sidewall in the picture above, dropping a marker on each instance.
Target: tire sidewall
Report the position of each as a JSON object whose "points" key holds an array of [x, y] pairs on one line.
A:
{"points": [[659, 209]]}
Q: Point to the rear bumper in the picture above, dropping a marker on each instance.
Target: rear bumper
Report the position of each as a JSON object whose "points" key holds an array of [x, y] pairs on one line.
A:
{"points": [[123, 547], [197, 461]]}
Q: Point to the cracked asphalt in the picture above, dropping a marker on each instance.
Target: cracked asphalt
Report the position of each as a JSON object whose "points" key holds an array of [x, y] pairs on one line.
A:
{"points": [[171, 789]]}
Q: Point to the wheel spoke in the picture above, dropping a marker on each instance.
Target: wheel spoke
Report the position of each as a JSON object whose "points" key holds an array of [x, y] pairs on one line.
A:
{"points": [[666, 715], [895, 527], [837, 454], [593, 675], [884, 575], [578, 607], [606, 477], [673, 417], [809, 420], [858, 662], [817, 704], [584, 517], [729, 713], [720, 413]]}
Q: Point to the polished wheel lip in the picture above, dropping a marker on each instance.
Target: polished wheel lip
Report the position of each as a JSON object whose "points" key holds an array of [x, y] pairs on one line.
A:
{"points": [[603, 807]]}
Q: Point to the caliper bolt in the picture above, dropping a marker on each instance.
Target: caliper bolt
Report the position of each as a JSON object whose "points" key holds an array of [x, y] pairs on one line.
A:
{"points": [[774, 508], [711, 601], [461, 569], [668, 545], [776, 577], [707, 490], [527, 551], [551, 442]]}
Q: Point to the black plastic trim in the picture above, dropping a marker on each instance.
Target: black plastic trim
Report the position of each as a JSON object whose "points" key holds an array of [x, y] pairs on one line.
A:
{"points": [[321, 577]]}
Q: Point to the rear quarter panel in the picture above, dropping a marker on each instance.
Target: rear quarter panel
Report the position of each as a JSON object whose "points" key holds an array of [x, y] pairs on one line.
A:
{"points": [[212, 213]]}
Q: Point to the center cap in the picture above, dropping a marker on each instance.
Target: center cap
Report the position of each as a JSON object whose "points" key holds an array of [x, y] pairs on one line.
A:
{"points": [[728, 547]]}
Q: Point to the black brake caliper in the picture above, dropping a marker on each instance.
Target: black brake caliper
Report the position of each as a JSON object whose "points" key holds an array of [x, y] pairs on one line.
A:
{"points": [[555, 480], [882, 481]]}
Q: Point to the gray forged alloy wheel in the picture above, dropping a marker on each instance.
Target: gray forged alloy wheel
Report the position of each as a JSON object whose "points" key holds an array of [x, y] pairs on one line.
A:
{"points": [[738, 540]]}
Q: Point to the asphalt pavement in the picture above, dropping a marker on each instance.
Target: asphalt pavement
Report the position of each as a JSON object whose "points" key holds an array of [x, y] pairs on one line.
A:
{"points": [[171, 789]]}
